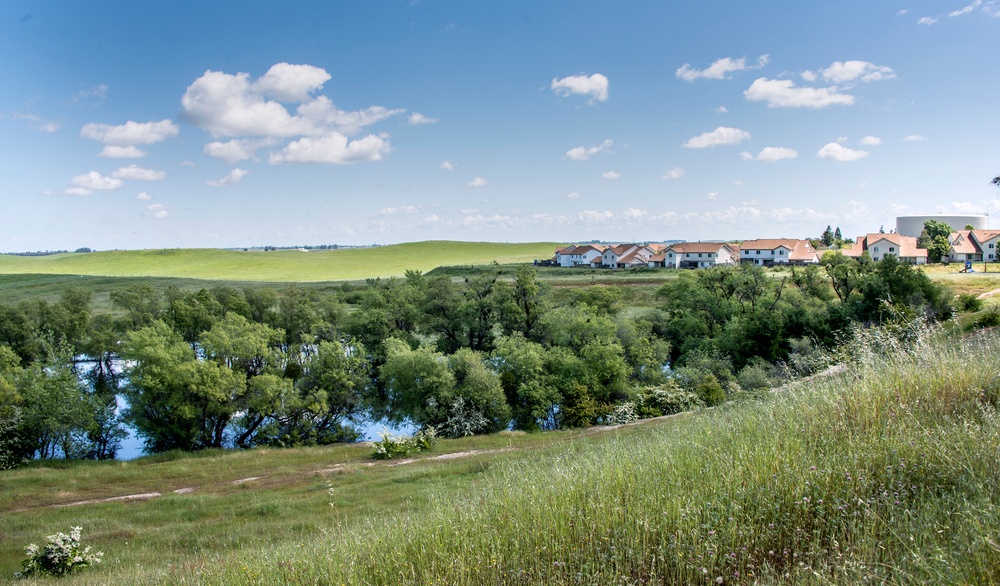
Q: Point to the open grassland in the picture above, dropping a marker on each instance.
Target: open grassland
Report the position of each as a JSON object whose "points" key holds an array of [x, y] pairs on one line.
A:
{"points": [[885, 473], [288, 266]]}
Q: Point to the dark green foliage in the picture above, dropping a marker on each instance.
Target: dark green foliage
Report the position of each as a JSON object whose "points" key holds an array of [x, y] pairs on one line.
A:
{"points": [[709, 390], [664, 399], [969, 302]]}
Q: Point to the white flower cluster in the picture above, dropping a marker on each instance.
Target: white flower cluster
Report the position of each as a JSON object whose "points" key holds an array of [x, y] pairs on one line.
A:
{"points": [[61, 555]]}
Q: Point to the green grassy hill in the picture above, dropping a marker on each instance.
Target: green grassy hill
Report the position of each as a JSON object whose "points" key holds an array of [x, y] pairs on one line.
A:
{"points": [[279, 265], [883, 473]]}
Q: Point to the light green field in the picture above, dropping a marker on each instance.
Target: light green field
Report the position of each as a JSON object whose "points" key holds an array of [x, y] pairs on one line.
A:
{"points": [[287, 266]]}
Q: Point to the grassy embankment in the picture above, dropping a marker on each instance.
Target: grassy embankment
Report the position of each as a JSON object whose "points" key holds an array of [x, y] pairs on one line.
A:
{"points": [[886, 472], [286, 266]]}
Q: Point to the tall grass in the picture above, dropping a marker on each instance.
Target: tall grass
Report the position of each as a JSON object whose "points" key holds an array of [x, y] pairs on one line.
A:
{"points": [[887, 473]]}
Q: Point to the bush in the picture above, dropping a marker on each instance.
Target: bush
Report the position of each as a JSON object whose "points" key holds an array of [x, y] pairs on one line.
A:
{"points": [[710, 390], [61, 555], [969, 302], [990, 319], [665, 399], [754, 378], [404, 446], [621, 414]]}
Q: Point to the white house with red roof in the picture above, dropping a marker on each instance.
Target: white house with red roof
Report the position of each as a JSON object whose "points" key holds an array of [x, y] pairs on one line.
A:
{"points": [[974, 245], [778, 251], [578, 256], [697, 255], [881, 245]]}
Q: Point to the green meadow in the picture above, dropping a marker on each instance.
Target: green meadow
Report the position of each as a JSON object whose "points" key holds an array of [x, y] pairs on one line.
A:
{"points": [[883, 472], [288, 266]]}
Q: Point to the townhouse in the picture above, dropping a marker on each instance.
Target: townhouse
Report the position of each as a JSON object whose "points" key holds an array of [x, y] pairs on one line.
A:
{"points": [[881, 245], [974, 246], [778, 251]]}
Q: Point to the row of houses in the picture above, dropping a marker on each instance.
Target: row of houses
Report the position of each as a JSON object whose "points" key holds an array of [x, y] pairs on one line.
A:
{"points": [[964, 245], [684, 255]]}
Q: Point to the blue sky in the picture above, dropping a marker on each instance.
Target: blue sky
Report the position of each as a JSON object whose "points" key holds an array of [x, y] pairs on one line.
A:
{"points": [[220, 124]]}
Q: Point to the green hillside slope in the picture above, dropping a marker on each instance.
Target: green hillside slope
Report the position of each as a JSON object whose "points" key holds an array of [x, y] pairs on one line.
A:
{"points": [[279, 265]]}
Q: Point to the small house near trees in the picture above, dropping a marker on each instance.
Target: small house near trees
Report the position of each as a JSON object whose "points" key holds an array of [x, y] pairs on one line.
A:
{"points": [[881, 245]]}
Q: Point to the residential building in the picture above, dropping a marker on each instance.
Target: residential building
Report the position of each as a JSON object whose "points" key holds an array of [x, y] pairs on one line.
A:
{"points": [[697, 255], [578, 256], [974, 245], [778, 251], [882, 245]]}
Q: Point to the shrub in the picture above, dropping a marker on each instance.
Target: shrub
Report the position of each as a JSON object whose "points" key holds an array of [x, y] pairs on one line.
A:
{"points": [[665, 399], [969, 302], [621, 414], [404, 446], [710, 390], [754, 378], [61, 555], [990, 319]]}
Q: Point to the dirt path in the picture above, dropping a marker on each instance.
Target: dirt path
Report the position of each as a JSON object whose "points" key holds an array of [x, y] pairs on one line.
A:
{"points": [[989, 294]]}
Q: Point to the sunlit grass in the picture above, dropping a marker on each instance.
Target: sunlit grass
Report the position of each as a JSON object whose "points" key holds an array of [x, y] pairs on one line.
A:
{"points": [[885, 473], [280, 265]]}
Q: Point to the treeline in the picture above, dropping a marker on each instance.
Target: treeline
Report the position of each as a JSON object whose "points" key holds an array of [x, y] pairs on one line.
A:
{"points": [[225, 367]]}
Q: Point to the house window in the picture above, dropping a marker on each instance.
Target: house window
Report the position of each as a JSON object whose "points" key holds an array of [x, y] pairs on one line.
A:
{"points": [[758, 253], [874, 248], [991, 245], [892, 249], [781, 253], [699, 255]]}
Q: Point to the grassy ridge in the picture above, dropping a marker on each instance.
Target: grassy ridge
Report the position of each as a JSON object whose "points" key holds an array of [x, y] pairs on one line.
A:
{"points": [[279, 265], [885, 473]]}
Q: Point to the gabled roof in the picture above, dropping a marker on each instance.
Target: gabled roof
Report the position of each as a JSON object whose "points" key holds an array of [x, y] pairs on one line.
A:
{"points": [[982, 236], [702, 247], [659, 257], [906, 245], [963, 243], [771, 244]]}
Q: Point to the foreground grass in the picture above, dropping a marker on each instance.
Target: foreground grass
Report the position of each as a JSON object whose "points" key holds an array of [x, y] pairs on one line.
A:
{"points": [[288, 266], [886, 473]]}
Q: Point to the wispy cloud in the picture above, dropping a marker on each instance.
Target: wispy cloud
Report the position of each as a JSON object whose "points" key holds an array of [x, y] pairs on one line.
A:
{"points": [[231, 178], [581, 153], [720, 136], [720, 69]]}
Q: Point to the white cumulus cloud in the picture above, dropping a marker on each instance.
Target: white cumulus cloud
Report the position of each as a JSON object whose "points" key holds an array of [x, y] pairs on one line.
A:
{"points": [[232, 178], [773, 154], [595, 86], [478, 182], [871, 141], [611, 175], [720, 69], [94, 181], [408, 209], [139, 173], [122, 152], [417, 118], [591, 216], [583, 153], [846, 71], [131, 133], [573, 195], [720, 136], [291, 83], [712, 196], [230, 105], [144, 196], [333, 148], [836, 152], [447, 166], [159, 210], [783, 93], [675, 173], [237, 149]]}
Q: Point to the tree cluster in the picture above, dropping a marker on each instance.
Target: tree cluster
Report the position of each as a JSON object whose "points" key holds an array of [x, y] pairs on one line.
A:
{"points": [[226, 367]]}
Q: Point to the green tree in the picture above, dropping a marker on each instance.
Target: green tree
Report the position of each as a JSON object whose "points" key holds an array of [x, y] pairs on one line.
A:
{"points": [[838, 235], [827, 237], [411, 378], [932, 229], [525, 380], [175, 400], [140, 303]]}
